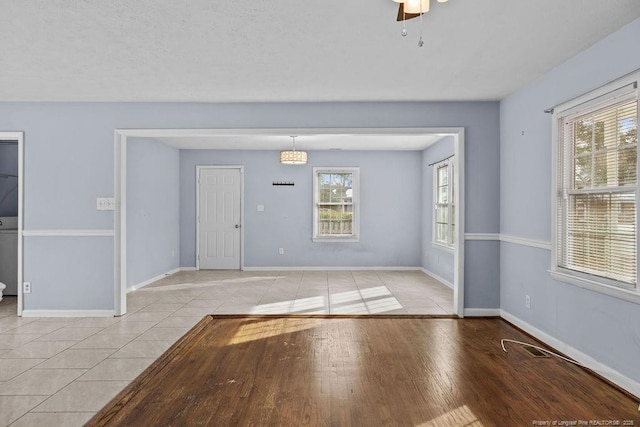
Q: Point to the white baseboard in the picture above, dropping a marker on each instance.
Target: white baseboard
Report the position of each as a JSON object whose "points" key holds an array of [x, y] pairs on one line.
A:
{"points": [[610, 374], [331, 268], [68, 313], [438, 278], [187, 269], [481, 312], [153, 279]]}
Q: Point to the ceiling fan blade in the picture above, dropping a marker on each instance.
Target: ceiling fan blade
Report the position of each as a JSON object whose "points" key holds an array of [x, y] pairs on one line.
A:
{"points": [[405, 16]]}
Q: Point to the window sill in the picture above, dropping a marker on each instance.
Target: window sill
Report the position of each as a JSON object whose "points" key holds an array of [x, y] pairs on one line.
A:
{"points": [[352, 239], [443, 247], [595, 286]]}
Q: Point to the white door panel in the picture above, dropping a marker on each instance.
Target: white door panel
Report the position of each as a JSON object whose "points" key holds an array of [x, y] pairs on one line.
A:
{"points": [[219, 218]]}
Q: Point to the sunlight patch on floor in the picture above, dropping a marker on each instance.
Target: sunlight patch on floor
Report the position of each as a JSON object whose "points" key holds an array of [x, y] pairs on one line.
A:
{"points": [[260, 329], [462, 416], [181, 286], [366, 301]]}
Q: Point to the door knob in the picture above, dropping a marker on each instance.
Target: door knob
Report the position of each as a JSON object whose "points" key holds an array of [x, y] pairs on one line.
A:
{"points": [[237, 225]]}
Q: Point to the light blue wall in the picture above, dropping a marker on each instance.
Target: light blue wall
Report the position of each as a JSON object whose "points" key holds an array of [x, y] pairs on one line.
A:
{"points": [[600, 326], [69, 273], [9, 186], [434, 259], [153, 210], [69, 161], [390, 198]]}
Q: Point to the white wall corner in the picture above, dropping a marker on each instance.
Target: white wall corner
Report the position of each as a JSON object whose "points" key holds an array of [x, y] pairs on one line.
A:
{"points": [[438, 278], [601, 369]]}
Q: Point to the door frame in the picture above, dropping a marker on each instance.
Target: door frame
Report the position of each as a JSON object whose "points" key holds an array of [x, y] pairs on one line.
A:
{"points": [[204, 167], [19, 136], [120, 189]]}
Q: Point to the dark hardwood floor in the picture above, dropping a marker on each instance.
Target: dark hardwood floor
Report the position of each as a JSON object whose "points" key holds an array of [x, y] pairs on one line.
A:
{"points": [[361, 371]]}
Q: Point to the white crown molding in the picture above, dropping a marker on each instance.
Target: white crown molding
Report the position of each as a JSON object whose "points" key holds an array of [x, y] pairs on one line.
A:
{"points": [[610, 374], [68, 233]]}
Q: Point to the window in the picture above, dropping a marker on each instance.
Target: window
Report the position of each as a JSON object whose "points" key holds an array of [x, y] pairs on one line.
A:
{"points": [[596, 182], [335, 212], [444, 207]]}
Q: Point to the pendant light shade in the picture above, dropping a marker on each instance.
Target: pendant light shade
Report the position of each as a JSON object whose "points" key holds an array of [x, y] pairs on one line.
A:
{"points": [[409, 9], [293, 157], [416, 6]]}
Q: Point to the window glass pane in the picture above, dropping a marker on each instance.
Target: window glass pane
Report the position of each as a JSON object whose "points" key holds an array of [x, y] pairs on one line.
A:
{"points": [[627, 166], [605, 166], [442, 214], [341, 183], [442, 176], [441, 233], [599, 138], [583, 137], [453, 214], [325, 195], [335, 219], [627, 130], [582, 170], [442, 194]]}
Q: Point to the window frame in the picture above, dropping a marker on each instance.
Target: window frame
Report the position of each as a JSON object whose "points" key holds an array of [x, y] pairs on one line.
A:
{"points": [[450, 165], [591, 101], [355, 203]]}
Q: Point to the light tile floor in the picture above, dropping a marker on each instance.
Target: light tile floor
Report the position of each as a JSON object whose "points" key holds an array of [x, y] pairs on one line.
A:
{"points": [[61, 371]]}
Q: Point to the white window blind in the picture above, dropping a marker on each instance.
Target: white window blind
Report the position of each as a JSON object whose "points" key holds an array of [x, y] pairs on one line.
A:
{"points": [[597, 190]]}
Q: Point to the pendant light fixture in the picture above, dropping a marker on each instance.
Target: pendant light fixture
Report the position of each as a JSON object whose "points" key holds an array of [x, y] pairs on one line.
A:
{"points": [[293, 157]]}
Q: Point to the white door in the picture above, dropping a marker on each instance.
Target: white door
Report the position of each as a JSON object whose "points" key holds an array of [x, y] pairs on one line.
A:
{"points": [[219, 206]]}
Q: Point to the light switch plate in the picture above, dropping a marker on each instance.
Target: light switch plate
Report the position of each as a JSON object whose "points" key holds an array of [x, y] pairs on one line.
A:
{"points": [[260, 208], [106, 204]]}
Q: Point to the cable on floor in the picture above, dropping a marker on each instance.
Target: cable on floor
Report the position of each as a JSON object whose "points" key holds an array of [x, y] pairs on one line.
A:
{"points": [[551, 353]]}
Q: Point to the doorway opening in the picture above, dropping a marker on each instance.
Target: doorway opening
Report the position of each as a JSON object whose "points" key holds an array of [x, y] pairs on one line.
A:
{"points": [[11, 215], [245, 139]]}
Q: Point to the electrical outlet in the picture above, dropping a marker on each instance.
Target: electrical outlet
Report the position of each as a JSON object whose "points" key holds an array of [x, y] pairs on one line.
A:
{"points": [[106, 204], [173, 253], [281, 251], [26, 287], [527, 301]]}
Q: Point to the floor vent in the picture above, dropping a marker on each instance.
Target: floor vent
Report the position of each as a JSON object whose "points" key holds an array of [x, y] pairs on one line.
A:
{"points": [[535, 352]]}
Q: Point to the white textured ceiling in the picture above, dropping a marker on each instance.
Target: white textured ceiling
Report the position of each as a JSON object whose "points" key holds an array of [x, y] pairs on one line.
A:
{"points": [[289, 50]]}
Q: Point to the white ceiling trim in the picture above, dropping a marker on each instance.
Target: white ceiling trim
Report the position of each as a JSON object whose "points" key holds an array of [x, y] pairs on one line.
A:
{"points": [[378, 139]]}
